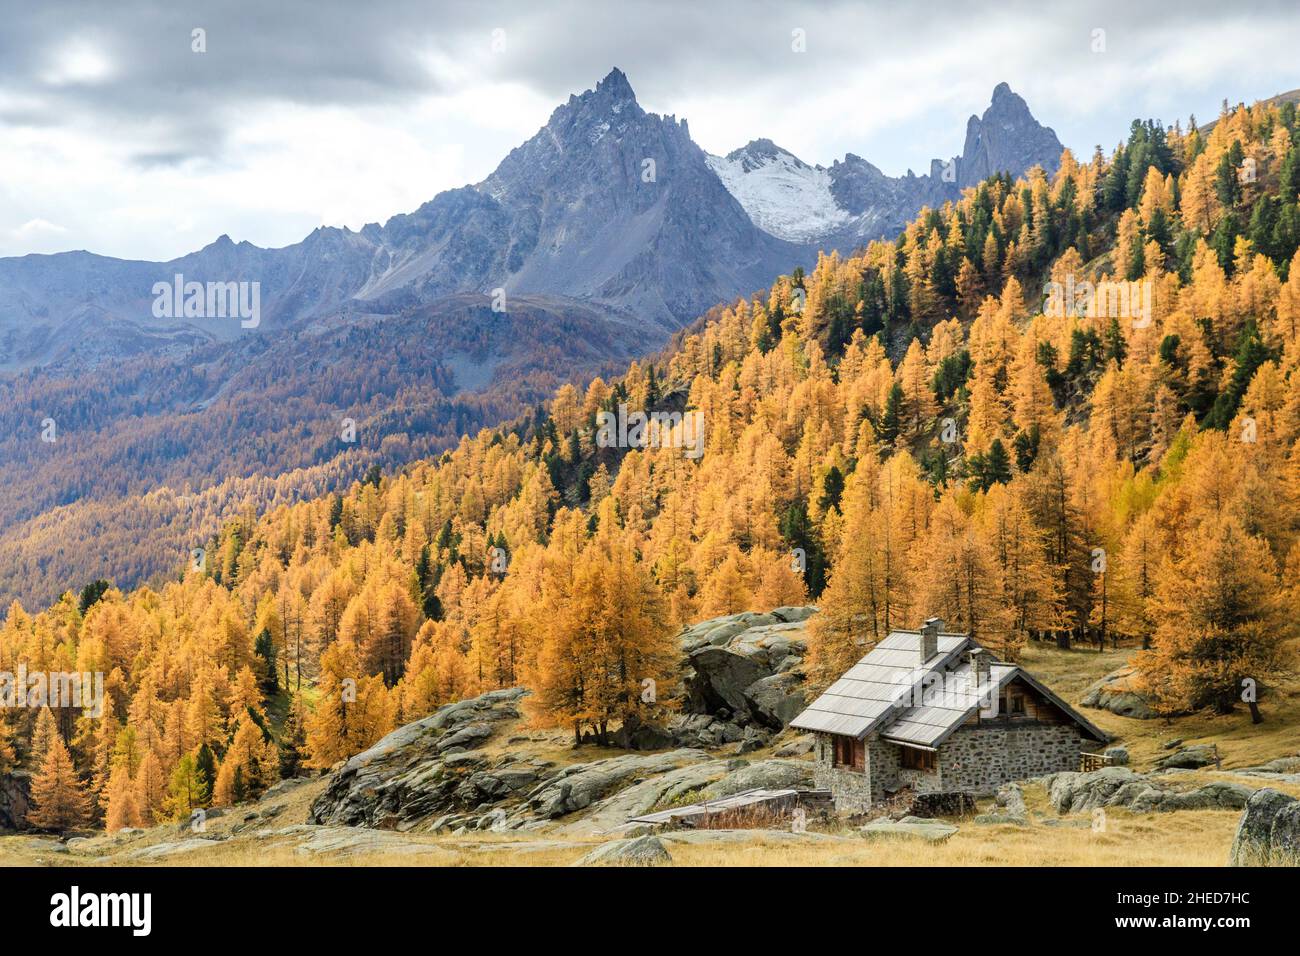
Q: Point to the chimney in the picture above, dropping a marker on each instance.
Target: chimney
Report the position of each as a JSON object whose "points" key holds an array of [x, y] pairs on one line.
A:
{"points": [[930, 638], [979, 668]]}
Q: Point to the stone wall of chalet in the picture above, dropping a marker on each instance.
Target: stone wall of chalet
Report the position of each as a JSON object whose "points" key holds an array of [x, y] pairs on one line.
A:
{"points": [[856, 791], [981, 757], [976, 759]]}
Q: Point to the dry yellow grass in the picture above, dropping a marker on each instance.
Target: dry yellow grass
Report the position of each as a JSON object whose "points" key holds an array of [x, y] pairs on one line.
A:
{"points": [[1241, 743], [1188, 838], [1184, 839]]}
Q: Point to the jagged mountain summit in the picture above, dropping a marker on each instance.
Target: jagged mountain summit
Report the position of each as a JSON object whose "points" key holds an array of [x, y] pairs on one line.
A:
{"points": [[607, 205], [783, 195], [1006, 138], [853, 201]]}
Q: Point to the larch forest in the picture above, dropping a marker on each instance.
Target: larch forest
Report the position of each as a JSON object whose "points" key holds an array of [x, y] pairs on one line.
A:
{"points": [[929, 426]]}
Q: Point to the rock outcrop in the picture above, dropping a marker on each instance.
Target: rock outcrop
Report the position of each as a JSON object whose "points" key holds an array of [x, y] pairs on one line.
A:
{"points": [[923, 828], [171, 848], [803, 744], [1268, 833], [638, 851], [15, 796], [644, 796], [1189, 758], [1072, 792], [1281, 770], [743, 685], [766, 775], [709, 779], [579, 786], [1011, 808], [1115, 693], [743, 674], [430, 767], [1282, 765]]}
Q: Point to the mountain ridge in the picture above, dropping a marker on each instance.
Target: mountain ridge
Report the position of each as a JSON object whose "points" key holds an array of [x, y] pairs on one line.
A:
{"points": [[852, 201], [607, 204], [597, 265]]}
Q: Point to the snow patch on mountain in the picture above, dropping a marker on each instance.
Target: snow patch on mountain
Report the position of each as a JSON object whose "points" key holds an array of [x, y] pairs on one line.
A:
{"points": [[784, 196]]}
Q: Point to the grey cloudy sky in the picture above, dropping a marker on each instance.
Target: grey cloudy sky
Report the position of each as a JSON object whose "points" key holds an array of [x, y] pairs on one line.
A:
{"points": [[116, 137]]}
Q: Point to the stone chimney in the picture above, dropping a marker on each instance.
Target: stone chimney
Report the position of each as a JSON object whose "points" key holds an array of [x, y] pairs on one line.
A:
{"points": [[930, 638], [979, 668]]}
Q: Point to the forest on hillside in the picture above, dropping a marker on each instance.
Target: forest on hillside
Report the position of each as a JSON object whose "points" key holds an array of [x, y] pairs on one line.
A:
{"points": [[919, 429], [141, 455]]}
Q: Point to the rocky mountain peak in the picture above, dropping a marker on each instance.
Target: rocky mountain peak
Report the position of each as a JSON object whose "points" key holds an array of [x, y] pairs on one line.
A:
{"points": [[1007, 108], [1005, 138], [607, 205], [616, 84], [578, 142], [612, 96], [852, 200], [601, 197], [760, 152]]}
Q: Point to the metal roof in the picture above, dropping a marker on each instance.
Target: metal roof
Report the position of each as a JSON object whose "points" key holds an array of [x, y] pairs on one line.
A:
{"points": [[875, 689], [890, 691], [945, 708]]}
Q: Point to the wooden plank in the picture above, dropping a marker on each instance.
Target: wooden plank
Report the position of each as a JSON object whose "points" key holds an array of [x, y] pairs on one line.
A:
{"points": [[734, 801]]}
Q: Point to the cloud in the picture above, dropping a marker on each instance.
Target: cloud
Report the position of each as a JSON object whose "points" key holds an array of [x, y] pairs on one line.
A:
{"points": [[309, 110], [38, 235], [36, 229], [81, 62]]}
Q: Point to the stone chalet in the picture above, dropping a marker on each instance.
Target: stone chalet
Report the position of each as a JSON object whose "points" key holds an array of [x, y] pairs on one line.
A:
{"points": [[931, 711]]}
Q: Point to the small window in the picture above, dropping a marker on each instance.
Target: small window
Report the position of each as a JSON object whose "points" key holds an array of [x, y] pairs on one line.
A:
{"points": [[850, 754], [1016, 705], [914, 759]]}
